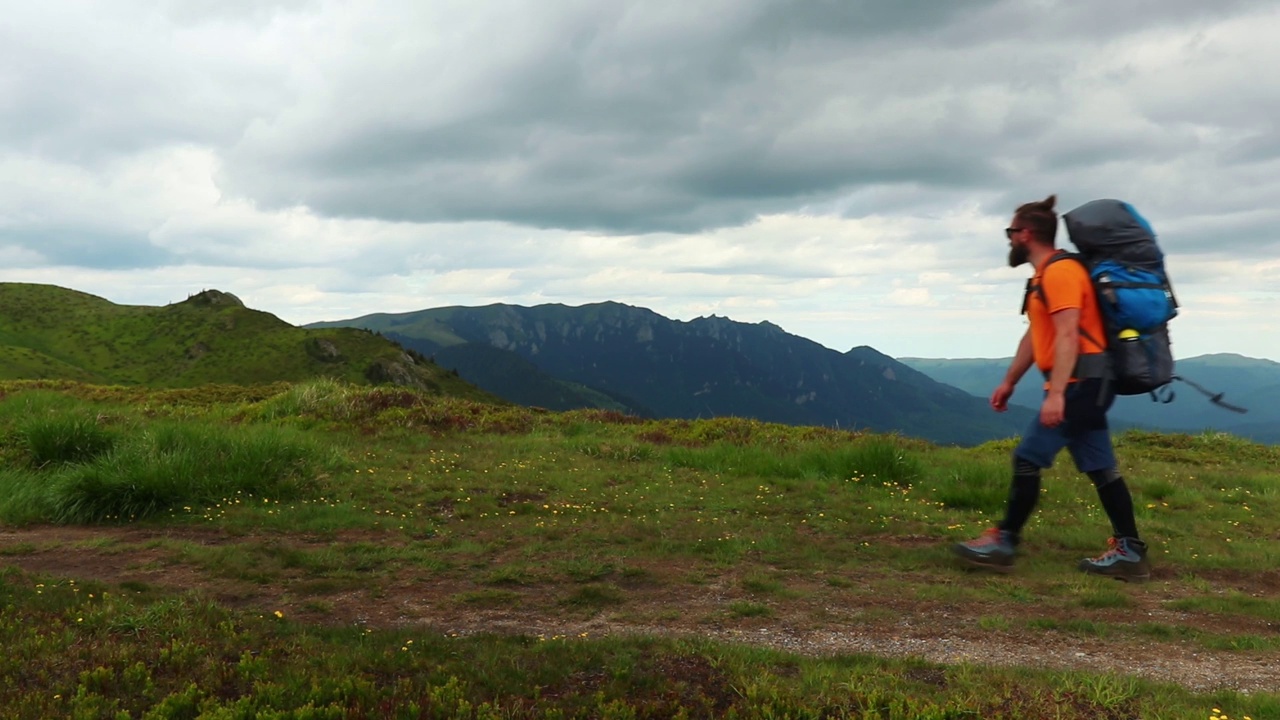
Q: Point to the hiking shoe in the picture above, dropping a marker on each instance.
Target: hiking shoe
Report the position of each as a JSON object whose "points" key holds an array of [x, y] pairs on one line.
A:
{"points": [[992, 550], [1125, 559]]}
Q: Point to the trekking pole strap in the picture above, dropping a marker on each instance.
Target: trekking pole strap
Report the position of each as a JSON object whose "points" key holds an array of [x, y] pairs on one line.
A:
{"points": [[1216, 399]]}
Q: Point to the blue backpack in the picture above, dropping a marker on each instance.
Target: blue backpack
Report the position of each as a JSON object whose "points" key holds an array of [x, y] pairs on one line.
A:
{"points": [[1118, 248]]}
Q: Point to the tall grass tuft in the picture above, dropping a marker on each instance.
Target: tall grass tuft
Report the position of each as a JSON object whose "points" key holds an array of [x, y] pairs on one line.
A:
{"points": [[171, 464], [24, 498], [970, 484], [60, 439], [323, 397], [64, 462], [882, 458]]}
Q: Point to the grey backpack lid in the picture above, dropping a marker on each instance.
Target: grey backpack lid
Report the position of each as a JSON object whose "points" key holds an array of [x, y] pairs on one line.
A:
{"points": [[1113, 230]]}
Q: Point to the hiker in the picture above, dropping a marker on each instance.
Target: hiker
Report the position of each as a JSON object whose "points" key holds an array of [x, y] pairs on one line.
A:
{"points": [[1066, 342]]}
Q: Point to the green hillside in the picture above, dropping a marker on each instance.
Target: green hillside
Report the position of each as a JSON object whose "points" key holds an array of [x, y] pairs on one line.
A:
{"points": [[50, 332], [426, 329]]}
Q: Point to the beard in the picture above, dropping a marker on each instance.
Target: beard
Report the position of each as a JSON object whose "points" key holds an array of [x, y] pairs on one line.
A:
{"points": [[1019, 255]]}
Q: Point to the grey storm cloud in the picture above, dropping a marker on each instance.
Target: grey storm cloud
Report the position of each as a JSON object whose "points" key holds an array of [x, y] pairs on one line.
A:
{"points": [[660, 117], [629, 121], [655, 117]]}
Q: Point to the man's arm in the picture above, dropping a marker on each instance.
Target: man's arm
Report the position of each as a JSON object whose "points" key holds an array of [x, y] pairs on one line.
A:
{"points": [[1066, 348], [1021, 360], [1021, 363]]}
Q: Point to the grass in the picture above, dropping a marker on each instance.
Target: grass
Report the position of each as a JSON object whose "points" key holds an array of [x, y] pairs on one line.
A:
{"points": [[182, 656], [77, 464], [366, 516]]}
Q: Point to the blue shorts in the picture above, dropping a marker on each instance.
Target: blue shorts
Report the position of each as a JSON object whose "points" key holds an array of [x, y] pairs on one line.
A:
{"points": [[1083, 431]]}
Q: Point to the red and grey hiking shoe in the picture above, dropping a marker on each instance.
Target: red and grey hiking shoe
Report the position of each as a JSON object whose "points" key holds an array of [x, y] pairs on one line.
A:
{"points": [[1125, 559], [992, 550]]}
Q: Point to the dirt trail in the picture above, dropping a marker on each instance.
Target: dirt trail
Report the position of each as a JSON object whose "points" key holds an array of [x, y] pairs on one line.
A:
{"points": [[822, 624]]}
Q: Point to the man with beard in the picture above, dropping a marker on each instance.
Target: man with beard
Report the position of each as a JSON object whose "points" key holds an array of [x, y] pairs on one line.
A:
{"points": [[1066, 342]]}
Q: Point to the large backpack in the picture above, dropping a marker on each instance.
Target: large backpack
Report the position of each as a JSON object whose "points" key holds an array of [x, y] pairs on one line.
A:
{"points": [[1118, 248]]}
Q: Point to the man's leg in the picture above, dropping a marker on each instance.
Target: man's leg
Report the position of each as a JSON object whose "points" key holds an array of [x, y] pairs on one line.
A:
{"points": [[1126, 555], [995, 548], [1024, 493], [1116, 500]]}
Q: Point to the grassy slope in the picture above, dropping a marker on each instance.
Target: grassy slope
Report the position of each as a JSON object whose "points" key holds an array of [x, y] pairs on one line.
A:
{"points": [[449, 514], [51, 332], [415, 324]]}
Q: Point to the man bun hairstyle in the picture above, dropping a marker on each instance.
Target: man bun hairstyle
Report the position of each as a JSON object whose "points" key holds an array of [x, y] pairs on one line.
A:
{"points": [[1041, 218]]}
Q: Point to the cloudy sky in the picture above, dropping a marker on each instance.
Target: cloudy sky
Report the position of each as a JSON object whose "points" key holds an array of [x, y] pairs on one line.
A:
{"points": [[841, 168]]}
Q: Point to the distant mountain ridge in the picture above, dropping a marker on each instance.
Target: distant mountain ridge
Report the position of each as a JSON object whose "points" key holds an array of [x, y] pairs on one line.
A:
{"points": [[1252, 383], [710, 366], [517, 380], [50, 332]]}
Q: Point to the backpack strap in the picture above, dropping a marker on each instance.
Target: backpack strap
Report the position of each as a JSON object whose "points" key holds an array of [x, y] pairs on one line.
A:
{"points": [[1033, 286], [1038, 289], [1088, 365]]}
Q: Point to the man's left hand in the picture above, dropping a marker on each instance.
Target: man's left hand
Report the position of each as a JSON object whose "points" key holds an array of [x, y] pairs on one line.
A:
{"points": [[1052, 410]]}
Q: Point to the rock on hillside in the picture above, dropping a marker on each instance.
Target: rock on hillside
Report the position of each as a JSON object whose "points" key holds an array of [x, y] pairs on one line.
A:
{"points": [[215, 298]]}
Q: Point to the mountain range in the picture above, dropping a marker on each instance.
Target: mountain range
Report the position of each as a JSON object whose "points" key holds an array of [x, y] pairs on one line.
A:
{"points": [[1251, 383], [648, 364], [712, 366], [602, 355]]}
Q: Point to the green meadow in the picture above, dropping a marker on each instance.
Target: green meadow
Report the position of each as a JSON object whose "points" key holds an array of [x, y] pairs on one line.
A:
{"points": [[324, 550]]}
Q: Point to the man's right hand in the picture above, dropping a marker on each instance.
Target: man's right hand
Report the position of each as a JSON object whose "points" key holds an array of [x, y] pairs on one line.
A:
{"points": [[1000, 396]]}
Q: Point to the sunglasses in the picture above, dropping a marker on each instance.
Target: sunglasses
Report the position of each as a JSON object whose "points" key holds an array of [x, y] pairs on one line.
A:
{"points": [[1011, 231]]}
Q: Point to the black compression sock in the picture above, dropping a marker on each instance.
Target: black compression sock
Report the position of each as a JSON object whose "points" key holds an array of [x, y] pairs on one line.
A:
{"points": [[1118, 503], [1024, 492]]}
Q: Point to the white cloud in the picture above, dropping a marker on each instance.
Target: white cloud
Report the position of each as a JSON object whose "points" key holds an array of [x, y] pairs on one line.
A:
{"points": [[843, 170]]}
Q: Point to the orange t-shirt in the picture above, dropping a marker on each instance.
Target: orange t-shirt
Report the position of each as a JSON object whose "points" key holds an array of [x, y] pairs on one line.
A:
{"points": [[1066, 285]]}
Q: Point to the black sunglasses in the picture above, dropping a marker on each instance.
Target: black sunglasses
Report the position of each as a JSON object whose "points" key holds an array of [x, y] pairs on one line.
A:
{"points": [[1011, 231]]}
